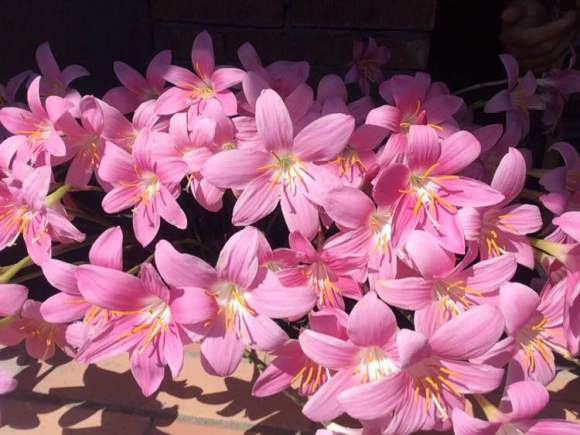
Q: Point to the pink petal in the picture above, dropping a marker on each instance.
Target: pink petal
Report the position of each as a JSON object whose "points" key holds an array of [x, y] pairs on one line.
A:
{"points": [[389, 184], [169, 209], [510, 175], [302, 245], [121, 198], [221, 350], [429, 258], [423, 147], [441, 108], [328, 351], [371, 322], [61, 275], [488, 136], [349, 207], [129, 77], [488, 275], [374, 399], [193, 305], [12, 297], [225, 78], [116, 165], [238, 260], [110, 289], [387, 117], [569, 223], [500, 102], [46, 62], [407, 293], [412, 347], [122, 99], [64, 308], [157, 68], [520, 219], [182, 270], [518, 303], [258, 199], [261, 332], [234, 168], [171, 101], [280, 372], [457, 152], [325, 138], [273, 121], [107, 250], [465, 192], [464, 424], [173, 349], [202, 56], [324, 405], [300, 213], [469, 334], [527, 398], [266, 299], [147, 369], [146, 222]]}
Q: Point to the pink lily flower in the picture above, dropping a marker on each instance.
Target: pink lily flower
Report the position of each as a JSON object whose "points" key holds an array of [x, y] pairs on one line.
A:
{"points": [[194, 91], [536, 323], [284, 171], [572, 313], [366, 364], [221, 310], [326, 271], [366, 64], [54, 81], [85, 143], [144, 319], [147, 185], [36, 135], [562, 183], [40, 337], [138, 89], [367, 228], [517, 99], [430, 192], [282, 76], [410, 102], [515, 415], [444, 290], [291, 366], [434, 373], [502, 228], [70, 305], [24, 210]]}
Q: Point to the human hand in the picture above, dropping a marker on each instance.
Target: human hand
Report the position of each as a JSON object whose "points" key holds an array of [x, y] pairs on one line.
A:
{"points": [[536, 42]]}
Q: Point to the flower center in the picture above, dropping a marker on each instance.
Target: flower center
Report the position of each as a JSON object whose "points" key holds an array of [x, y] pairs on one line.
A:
{"points": [[537, 337], [320, 281], [374, 364], [347, 161], [310, 378], [287, 171], [412, 118], [150, 184], [231, 300], [381, 223], [520, 101], [454, 297]]}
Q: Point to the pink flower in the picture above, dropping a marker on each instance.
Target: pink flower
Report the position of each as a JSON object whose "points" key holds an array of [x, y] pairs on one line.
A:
{"points": [[412, 101], [444, 290], [536, 323], [137, 88], [24, 210], [282, 76], [366, 64], [222, 308], [517, 99], [40, 337], [194, 91], [562, 183], [70, 305], [524, 400], [147, 185], [572, 313], [284, 170], [54, 81], [366, 364], [502, 228], [85, 143], [36, 136], [430, 192], [327, 271], [434, 373], [291, 366], [143, 318]]}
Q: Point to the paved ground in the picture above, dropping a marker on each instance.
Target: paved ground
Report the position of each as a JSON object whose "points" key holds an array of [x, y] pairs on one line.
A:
{"points": [[65, 397]]}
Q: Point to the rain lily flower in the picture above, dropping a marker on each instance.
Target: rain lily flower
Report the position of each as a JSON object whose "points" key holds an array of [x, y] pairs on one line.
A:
{"points": [[536, 323], [54, 80], [220, 310], [366, 64], [284, 170], [70, 305], [517, 99], [36, 136], [410, 103], [25, 209], [366, 364], [143, 319], [444, 289], [515, 414], [562, 183], [430, 192], [147, 185], [85, 143], [40, 337], [327, 271], [137, 88], [291, 366], [194, 91], [502, 228], [434, 373]]}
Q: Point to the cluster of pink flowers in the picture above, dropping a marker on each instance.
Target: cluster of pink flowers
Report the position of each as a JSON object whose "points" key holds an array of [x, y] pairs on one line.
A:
{"points": [[394, 299]]}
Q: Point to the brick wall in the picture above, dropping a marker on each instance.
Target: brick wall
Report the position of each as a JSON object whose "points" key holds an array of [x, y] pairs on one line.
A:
{"points": [[320, 31]]}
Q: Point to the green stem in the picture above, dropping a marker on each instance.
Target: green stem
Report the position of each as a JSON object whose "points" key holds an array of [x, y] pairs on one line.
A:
{"points": [[57, 195], [480, 86], [14, 269], [6, 320]]}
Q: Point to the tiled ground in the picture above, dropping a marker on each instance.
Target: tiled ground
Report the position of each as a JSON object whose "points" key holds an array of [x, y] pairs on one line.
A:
{"points": [[65, 397]]}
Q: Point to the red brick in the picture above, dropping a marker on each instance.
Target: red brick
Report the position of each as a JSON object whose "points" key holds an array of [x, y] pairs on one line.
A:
{"points": [[262, 13], [410, 50], [367, 14]]}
